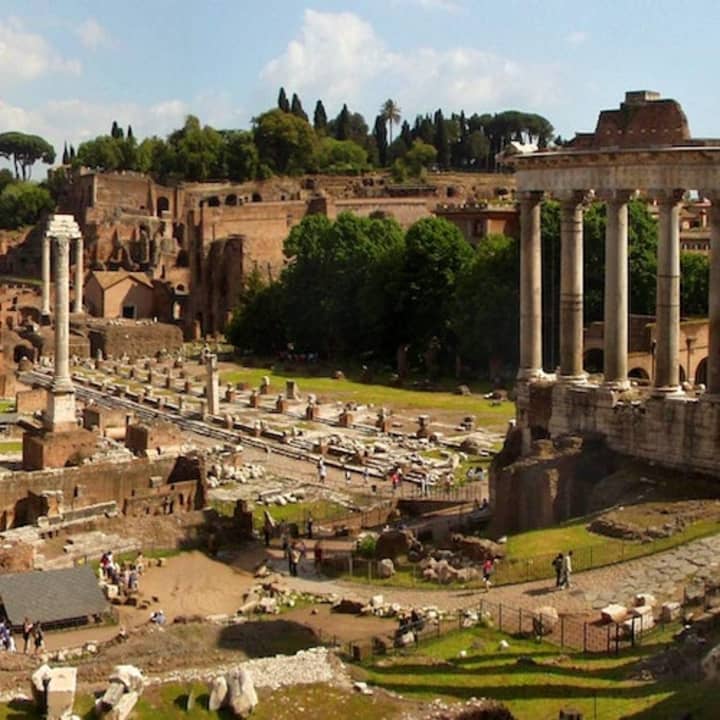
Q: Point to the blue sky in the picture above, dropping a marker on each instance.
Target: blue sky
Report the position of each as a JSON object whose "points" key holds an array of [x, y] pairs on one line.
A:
{"points": [[68, 68]]}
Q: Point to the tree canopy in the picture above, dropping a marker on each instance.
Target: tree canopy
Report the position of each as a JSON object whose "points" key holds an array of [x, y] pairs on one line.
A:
{"points": [[25, 150]]}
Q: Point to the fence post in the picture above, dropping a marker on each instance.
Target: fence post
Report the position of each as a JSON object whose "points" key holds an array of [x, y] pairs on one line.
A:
{"points": [[520, 629], [591, 558], [500, 616], [585, 636], [562, 631], [350, 564], [527, 570]]}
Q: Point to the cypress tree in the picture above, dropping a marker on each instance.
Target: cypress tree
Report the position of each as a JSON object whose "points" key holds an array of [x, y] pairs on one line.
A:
{"points": [[130, 135], [283, 103], [72, 152], [320, 117], [296, 107], [66, 155], [406, 133], [441, 140], [342, 124], [381, 139]]}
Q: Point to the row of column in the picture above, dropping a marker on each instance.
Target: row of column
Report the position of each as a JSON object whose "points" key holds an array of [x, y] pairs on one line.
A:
{"points": [[616, 309], [79, 275]]}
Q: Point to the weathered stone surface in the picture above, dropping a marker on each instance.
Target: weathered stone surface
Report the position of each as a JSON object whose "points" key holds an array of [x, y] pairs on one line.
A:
{"points": [[242, 696], [112, 695], [394, 543], [385, 568], [129, 676], [670, 611], [61, 693], [613, 613], [123, 709], [477, 549], [218, 693], [710, 665], [350, 606]]}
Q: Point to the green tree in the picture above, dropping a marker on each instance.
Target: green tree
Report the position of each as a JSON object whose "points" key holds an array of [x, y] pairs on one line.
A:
{"points": [[442, 140], [24, 151], [391, 113], [65, 155], [23, 203], [198, 151], [320, 118], [338, 156], [6, 178], [241, 158], [285, 143], [101, 153], [694, 284], [381, 139], [116, 131], [296, 107], [342, 124], [436, 256], [282, 102], [419, 156]]}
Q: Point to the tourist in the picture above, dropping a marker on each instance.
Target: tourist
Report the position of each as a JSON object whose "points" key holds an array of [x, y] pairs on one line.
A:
{"points": [[557, 564], [348, 476], [310, 526], [158, 617], [293, 559], [567, 569], [39, 637], [26, 633], [318, 556], [366, 474], [487, 571], [133, 580], [267, 532], [140, 563]]}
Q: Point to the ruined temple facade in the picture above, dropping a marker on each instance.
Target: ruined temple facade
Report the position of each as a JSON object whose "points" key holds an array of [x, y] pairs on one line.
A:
{"points": [[196, 242], [643, 148]]}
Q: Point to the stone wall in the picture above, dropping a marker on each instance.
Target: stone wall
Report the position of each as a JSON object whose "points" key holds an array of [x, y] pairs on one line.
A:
{"points": [[139, 339], [56, 449], [29, 401]]}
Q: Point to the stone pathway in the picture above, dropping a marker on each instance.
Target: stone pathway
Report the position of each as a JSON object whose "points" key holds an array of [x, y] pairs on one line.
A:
{"points": [[664, 575]]}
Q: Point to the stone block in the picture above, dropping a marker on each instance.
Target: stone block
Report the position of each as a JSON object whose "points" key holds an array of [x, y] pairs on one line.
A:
{"points": [[129, 676], [613, 613], [124, 707], [56, 449], [218, 693], [644, 613], [545, 620], [60, 694], [112, 695], [645, 599], [671, 611]]}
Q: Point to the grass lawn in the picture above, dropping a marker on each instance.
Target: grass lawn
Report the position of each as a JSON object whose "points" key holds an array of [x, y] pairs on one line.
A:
{"points": [[347, 390], [296, 512], [536, 680], [10, 446], [7, 405]]}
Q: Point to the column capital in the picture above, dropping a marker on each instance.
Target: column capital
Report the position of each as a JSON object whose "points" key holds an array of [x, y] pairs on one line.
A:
{"points": [[618, 196], [574, 197], [530, 196], [667, 197]]}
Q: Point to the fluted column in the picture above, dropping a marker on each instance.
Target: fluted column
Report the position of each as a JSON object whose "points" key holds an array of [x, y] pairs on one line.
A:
{"points": [[667, 312], [530, 287], [616, 290], [45, 266], [61, 377], [79, 274], [713, 362], [571, 288]]}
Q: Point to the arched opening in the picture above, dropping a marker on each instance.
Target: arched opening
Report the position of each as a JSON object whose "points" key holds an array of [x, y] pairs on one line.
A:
{"points": [[213, 201], [231, 200], [256, 197], [701, 373], [594, 360], [163, 205], [683, 374], [180, 288], [23, 351], [639, 374], [177, 311]]}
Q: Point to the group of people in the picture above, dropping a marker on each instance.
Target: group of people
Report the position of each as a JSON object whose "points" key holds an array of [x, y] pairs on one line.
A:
{"points": [[125, 576], [32, 632], [562, 564]]}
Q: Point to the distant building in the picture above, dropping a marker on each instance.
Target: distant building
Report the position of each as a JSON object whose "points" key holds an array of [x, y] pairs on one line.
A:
{"points": [[477, 221], [119, 294]]}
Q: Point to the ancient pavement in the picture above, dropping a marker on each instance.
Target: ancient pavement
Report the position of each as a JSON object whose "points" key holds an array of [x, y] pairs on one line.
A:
{"points": [[664, 575]]}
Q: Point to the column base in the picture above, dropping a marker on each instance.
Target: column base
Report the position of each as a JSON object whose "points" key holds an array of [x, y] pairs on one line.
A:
{"points": [[667, 391], [533, 375], [616, 385], [60, 414], [572, 379]]}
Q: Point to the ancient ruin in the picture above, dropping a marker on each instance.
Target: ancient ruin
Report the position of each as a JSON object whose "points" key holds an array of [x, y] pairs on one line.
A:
{"points": [[644, 147]]}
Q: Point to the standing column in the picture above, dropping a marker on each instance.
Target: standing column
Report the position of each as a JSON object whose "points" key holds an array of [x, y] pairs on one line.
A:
{"points": [[61, 378], [667, 372], [45, 275], [571, 288], [713, 362], [79, 274], [530, 287], [616, 291]]}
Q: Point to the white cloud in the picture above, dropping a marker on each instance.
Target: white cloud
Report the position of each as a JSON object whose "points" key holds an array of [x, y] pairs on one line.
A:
{"points": [[26, 56], [92, 34], [340, 58], [578, 37]]}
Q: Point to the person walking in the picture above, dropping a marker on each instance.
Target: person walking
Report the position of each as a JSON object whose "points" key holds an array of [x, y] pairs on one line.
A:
{"points": [[557, 564], [310, 526], [567, 569], [27, 633], [487, 571], [39, 637]]}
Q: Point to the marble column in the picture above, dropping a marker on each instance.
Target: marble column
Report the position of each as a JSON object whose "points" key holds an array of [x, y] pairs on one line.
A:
{"points": [[530, 287], [79, 274], [713, 361], [571, 288], [616, 291], [45, 275], [667, 312], [213, 385], [61, 377]]}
